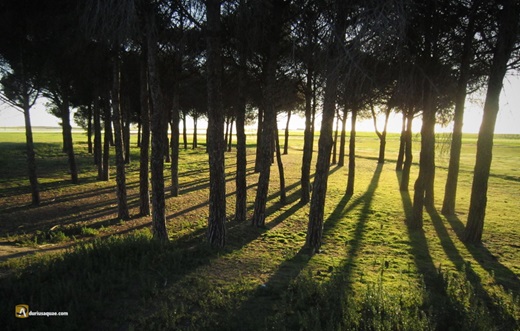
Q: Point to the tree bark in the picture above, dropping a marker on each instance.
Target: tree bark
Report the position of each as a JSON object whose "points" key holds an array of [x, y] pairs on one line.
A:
{"points": [[308, 142], [230, 140], [507, 35], [341, 158], [195, 133], [259, 130], [126, 135], [352, 155], [175, 142], [286, 138], [315, 226], [402, 144], [106, 140], [283, 194], [335, 143], [67, 135], [158, 144], [97, 139], [184, 131], [381, 135], [405, 177], [89, 129], [120, 158], [31, 155], [217, 197], [144, 157]]}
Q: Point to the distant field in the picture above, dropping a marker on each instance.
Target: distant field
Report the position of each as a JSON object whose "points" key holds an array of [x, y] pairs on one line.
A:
{"points": [[373, 271]]}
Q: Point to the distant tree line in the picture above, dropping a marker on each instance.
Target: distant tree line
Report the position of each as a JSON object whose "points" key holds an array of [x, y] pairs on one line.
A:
{"points": [[153, 63]]}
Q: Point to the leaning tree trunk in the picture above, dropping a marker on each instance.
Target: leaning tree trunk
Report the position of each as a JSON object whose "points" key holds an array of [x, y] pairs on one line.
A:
{"points": [[31, 156], [408, 153], [144, 157], [67, 134], [217, 192], [230, 140], [158, 142], [402, 144], [335, 143], [341, 158], [260, 129], [352, 155], [283, 194], [120, 158], [505, 42], [381, 135], [286, 138], [450, 191], [319, 191]]}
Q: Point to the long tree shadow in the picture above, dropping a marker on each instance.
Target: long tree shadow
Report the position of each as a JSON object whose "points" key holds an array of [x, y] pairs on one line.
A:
{"points": [[499, 314], [501, 274]]}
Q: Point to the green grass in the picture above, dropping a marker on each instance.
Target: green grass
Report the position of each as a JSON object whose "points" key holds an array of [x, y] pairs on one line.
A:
{"points": [[372, 274]]}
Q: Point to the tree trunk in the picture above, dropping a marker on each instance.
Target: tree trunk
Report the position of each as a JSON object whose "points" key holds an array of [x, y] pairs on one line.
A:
{"points": [[402, 144], [335, 143], [157, 128], [126, 136], [31, 156], [352, 155], [67, 134], [184, 131], [175, 140], [319, 191], [308, 142], [139, 134], [283, 195], [286, 139], [509, 19], [144, 157], [195, 143], [217, 197], [120, 158], [408, 152], [423, 187], [226, 125], [450, 190], [341, 159], [106, 140], [381, 135], [260, 126], [89, 128], [230, 140], [97, 139]]}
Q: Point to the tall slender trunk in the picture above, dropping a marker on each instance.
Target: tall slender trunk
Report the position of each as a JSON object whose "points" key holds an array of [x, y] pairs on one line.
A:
{"points": [[286, 138], [217, 194], [283, 194], [175, 138], [31, 156], [352, 155], [89, 128], [405, 177], [402, 144], [507, 35], [106, 139], [67, 134], [226, 133], [120, 158], [335, 143], [260, 126], [307, 142], [157, 128], [195, 132], [126, 134], [139, 134], [97, 139], [450, 189], [184, 131], [319, 191], [381, 135], [144, 157], [230, 140], [341, 159]]}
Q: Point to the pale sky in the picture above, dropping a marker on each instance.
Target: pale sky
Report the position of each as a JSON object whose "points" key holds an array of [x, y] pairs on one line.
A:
{"points": [[508, 120]]}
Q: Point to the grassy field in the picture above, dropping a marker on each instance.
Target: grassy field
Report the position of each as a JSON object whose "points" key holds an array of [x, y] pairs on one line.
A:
{"points": [[373, 273]]}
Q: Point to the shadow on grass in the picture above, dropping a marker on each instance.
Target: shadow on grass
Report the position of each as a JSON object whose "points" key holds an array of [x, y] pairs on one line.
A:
{"points": [[500, 316], [501, 274]]}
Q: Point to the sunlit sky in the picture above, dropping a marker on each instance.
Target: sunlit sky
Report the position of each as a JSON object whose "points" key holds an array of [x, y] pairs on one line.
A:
{"points": [[508, 120]]}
